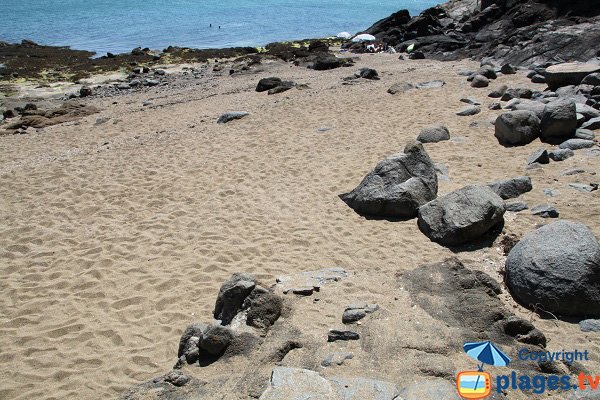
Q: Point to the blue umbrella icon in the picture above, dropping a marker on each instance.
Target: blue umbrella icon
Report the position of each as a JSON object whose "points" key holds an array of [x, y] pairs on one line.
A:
{"points": [[486, 353]]}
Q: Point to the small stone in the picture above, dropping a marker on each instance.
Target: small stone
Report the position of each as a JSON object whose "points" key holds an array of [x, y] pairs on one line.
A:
{"points": [[561, 154], [231, 115], [584, 188], [351, 316], [470, 100], [590, 325], [572, 171], [585, 134], [551, 192], [539, 156], [545, 211], [473, 110], [516, 206], [337, 359], [495, 106], [576, 144], [216, 339], [303, 291], [434, 134], [401, 87], [508, 69], [85, 91], [593, 124], [498, 93], [537, 78], [335, 335], [480, 81]]}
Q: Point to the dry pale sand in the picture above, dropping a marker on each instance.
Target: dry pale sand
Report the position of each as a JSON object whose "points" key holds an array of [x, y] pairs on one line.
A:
{"points": [[115, 236]]}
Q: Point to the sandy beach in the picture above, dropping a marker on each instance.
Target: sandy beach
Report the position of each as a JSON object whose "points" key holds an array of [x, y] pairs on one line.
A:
{"points": [[119, 228]]}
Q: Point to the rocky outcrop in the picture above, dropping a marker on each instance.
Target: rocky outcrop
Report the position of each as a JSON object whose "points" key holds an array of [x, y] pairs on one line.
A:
{"points": [[515, 32]]}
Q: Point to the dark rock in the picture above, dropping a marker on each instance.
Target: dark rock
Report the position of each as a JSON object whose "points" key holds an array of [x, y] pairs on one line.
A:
{"points": [[539, 156], [264, 310], [194, 330], [401, 87], [498, 93], [351, 316], [434, 134], [559, 119], [416, 55], [367, 73], [495, 106], [85, 91], [516, 94], [568, 74], [303, 290], [469, 111], [488, 71], [561, 154], [480, 81], [508, 69], [517, 128], [215, 339], [555, 268], [593, 124], [516, 206], [590, 325], [592, 79], [268, 83], [232, 295], [512, 188], [231, 115], [461, 216], [523, 331], [397, 186], [283, 87], [318, 46], [335, 335], [537, 78], [325, 61], [9, 114], [545, 211], [576, 144]]}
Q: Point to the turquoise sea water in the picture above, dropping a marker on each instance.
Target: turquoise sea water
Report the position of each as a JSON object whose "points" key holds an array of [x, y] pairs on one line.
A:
{"points": [[119, 26]]}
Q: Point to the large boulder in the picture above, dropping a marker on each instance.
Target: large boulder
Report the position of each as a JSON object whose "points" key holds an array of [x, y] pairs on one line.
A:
{"points": [[232, 295], [559, 120], [461, 216], [556, 268], [517, 128], [568, 74], [397, 186]]}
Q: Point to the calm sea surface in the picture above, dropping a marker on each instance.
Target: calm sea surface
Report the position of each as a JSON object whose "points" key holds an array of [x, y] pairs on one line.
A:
{"points": [[119, 26]]}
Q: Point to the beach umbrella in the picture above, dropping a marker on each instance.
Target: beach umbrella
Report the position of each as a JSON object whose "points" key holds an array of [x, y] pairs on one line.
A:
{"points": [[486, 353], [364, 38], [344, 35]]}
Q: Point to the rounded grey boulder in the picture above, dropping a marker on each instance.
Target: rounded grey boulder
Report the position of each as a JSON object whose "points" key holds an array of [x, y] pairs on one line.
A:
{"points": [[461, 216], [231, 296], [397, 186], [559, 119], [557, 268], [434, 134], [517, 128]]}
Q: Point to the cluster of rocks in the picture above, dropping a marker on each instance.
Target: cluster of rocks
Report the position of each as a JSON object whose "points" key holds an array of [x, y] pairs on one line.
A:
{"points": [[241, 303], [31, 118], [274, 85], [405, 186], [517, 32]]}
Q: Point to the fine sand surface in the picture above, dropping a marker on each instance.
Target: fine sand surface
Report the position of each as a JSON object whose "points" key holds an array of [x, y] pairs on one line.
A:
{"points": [[115, 236]]}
